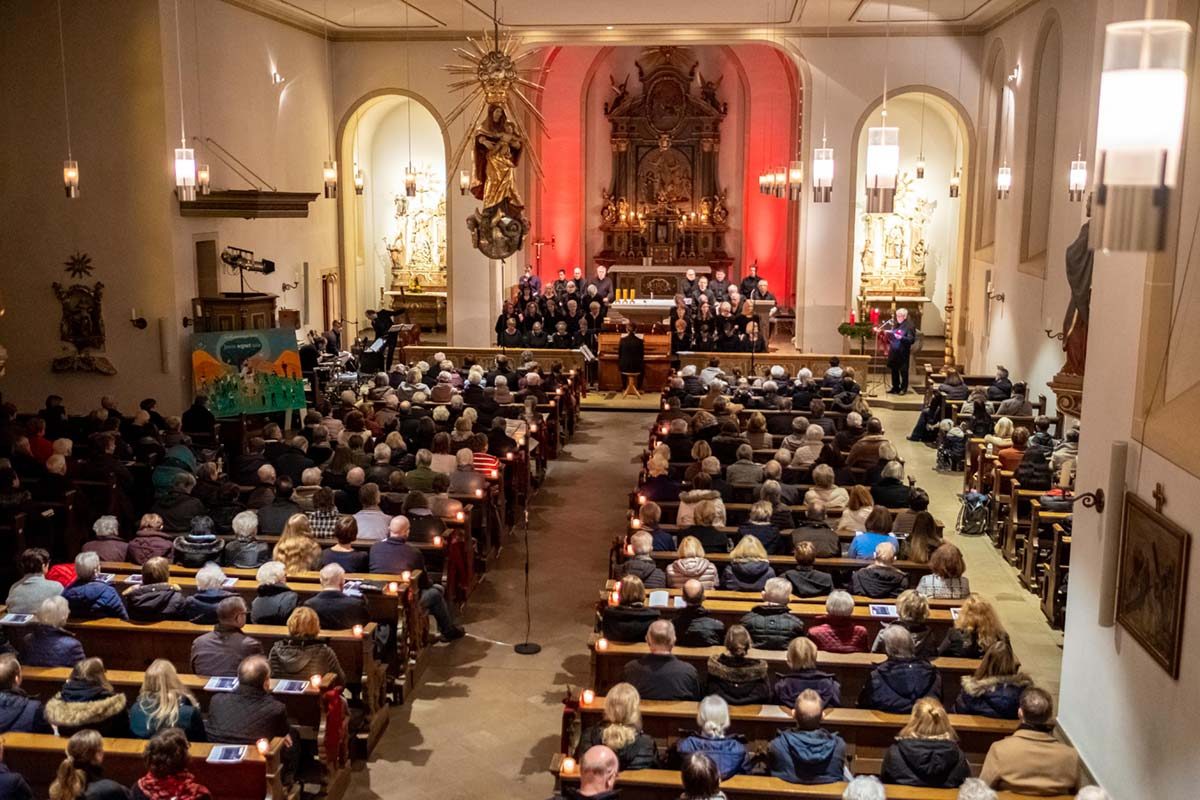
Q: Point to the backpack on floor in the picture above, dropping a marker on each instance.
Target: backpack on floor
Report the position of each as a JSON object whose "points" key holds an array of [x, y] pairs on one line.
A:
{"points": [[974, 515]]}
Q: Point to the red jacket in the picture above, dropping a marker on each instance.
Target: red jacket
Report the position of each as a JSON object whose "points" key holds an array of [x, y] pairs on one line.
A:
{"points": [[839, 635]]}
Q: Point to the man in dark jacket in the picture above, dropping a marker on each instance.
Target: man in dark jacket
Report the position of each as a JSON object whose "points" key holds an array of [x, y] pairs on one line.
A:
{"points": [[694, 626], [394, 555], [679, 441], [890, 491], [14, 787], [19, 713], [198, 419], [155, 598], [336, 609], [805, 580], [272, 517], [293, 460], [598, 770], [898, 683], [249, 712], [246, 471], [1001, 388], [771, 624], [89, 597], [808, 753], [881, 578], [642, 564], [660, 675], [222, 650], [202, 606], [177, 506]]}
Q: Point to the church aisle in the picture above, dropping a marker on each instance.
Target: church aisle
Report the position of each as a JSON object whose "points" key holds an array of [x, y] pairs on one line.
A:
{"points": [[484, 721]]}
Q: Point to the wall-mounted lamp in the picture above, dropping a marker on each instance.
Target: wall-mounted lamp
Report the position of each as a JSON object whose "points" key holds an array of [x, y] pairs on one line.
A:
{"points": [[276, 78], [137, 322], [991, 294]]}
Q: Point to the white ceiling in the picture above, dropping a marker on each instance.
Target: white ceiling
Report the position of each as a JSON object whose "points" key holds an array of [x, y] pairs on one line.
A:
{"points": [[347, 19]]}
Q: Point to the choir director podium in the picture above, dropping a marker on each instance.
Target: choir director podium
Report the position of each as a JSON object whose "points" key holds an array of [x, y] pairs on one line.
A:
{"points": [[657, 355]]}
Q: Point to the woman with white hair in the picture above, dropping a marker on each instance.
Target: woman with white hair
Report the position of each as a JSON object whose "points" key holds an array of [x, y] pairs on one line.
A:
{"points": [[824, 490], [54, 483], [702, 490], [713, 740], [274, 601], [202, 605], [244, 551], [501, 393], [89, 597], [850, 433], [46, 643], [621, 731], [810, 448], [108, 544]]}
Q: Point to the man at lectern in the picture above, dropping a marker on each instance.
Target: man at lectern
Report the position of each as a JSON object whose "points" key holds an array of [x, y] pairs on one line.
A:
{"points": [[900, 341]]}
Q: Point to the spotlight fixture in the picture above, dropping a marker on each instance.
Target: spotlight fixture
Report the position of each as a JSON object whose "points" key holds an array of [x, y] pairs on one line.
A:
{"points": [[883, 168], [1003, 182]]}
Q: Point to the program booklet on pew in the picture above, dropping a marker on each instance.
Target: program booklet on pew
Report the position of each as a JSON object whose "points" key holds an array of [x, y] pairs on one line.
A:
{"points": [[290, 687], [883, 610], [227, 754], [16, 619], [218, 684], [660, 598]]}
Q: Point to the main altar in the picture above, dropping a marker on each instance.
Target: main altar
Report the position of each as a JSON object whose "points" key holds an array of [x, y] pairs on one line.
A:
{"points": [[414, 252], [665, 206], [894, 252]]}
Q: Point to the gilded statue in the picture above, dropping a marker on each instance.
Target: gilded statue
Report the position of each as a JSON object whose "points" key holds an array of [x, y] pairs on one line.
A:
{"points": [[499, 230], [720, 212], [608, 208]]}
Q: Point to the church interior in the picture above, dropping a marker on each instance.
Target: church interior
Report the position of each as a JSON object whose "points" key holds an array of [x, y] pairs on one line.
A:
{"points": [[683, 400]]}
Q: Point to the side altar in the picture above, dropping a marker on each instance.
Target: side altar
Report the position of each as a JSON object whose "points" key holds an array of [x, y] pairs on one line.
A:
{"points": [[665, 204]]}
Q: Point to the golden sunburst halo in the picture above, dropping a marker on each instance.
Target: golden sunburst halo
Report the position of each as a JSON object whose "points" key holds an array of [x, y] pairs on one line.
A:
{"points": [[79, 265]]}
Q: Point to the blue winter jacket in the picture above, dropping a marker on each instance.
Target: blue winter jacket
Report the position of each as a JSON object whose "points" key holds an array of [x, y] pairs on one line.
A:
{"points": [[47, 646], [808, 756], [94, 600], [728, 753], [898, 683]]}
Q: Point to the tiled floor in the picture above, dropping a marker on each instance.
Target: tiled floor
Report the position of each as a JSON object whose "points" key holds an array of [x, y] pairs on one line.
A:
{"points": [[485, 721]]}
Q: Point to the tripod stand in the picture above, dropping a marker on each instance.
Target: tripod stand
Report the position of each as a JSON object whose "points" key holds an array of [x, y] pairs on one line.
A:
{"points": [[527, 647]]}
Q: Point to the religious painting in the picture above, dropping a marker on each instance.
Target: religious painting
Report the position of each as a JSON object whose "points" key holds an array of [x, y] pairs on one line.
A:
{"points": [[248, 372], [81, 324], [1152, 581]]}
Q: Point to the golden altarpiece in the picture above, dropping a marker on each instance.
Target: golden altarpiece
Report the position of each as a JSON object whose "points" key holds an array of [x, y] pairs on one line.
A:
{"points": [[414, 256], [894, 252]]}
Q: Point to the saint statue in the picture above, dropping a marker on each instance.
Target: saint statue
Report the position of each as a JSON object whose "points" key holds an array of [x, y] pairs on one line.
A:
{"points": [[1075, 323], [499, 230]]}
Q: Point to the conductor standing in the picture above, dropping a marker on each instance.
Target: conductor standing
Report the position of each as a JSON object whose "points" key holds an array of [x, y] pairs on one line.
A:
{"points": [[900, 342], [631, 358]]}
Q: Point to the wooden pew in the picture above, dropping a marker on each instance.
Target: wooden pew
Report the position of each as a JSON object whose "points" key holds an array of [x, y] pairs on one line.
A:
{"points": [[257, 777], [731, 612], [1040, 522], [1054, 608], [756, 597], [134, 646], [782, 563], [661, 784], [851, 669], [868, 733]]}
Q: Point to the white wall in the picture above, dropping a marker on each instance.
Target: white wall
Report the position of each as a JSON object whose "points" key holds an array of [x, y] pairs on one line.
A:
{"points": [[844, 79], [1010, 333]]}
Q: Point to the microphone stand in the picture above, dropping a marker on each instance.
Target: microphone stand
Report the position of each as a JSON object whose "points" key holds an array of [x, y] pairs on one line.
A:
{"points": [[528, 647]]}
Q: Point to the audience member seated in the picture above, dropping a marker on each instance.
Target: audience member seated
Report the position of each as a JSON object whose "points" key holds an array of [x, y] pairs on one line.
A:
{"points": [[1001, 435], [164, 703], [81, 774], [372, 522], [423, 524], [749, 568], [881, 579], [346, 499], [200, 545], [297, 548], [87, 700], [274, 601], [660, 675], [621, 731], [678, 440], [176, 506], [394, 555], [167, 776], [629, 620], [912, 611], [803, 674], [155, 599], [811, 447], [1017, 405], [744, 471], [650, 515], [703, 529], [864, 454], [761, 528], [323, 514], [201, 606], [891, 491], [926, 751], [642, 564], [726, 754], [805, 580], [303, 655], [108, 543], [13, 497], [88, 596], [463, 478], [923, 539], [691, 562], [659, 485], [857, 512], [876, 531], [220, 651], [244, 551], [781, 515], [700, 451], [771, 624], [838, 633], [994, 690], [814, 531], [824, 490], [274, 515], [807, 753], [1010, 457], [336, 609], [976, 628], [249, 712], [12, 784], [734, 676], [694, 626], [1001, 388], [150, 541], [345, 531], [45, 642], [897, 684], [27, 594], [19, 713], [945, 580], [1032, 760], [702, 491]]}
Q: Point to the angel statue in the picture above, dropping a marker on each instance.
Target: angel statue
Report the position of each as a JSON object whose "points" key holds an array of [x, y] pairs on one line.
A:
{"points": [[499, 230]]}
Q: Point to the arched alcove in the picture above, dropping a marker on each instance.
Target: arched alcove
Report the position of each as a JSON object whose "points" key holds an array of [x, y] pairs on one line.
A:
{"points": [[992, 140], [1041, 176], [934, 125], [389, 238]]}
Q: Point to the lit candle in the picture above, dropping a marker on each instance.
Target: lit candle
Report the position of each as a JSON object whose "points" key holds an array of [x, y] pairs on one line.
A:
{"points": [[406, 575], [263, 746], [478, 493], [614, 599], [508, 455], [495, 473], [568, 765], [641, 499], [588, 696], [602, 643], [315, 680], [358, 631], [629, 550], [393, 587], [458, 515], [851, 317], [437, 541], [635, 523]]}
